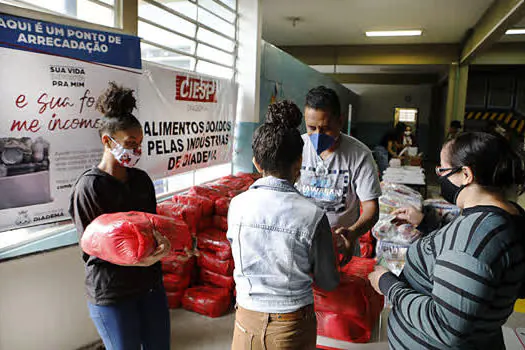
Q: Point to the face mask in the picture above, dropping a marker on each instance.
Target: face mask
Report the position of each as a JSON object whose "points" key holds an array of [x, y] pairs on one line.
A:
{"points": [[321, 142], [449, 191], [126, 157]]}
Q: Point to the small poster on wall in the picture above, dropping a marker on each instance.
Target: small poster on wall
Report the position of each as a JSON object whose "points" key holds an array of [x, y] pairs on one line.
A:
{"points": [[52, 75], [188, 120]]}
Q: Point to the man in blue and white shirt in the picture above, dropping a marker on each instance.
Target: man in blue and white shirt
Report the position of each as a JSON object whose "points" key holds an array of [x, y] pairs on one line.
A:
{"points": [[338, 171]]}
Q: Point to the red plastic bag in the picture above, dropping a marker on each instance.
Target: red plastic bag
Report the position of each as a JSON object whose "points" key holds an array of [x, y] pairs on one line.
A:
{"points": [[205, 223], [232, 194], [176, 231], [364, 305], [220, 222], [367, 238], [222, 205], [214, 279], [175, 299], [215, 241], [189, 213], [340, 327], [204, 203], [127, 238], [174, 282], [179, 264], [212, 192], [209, 261], [208, 301], [367, 250], [233, 182]]}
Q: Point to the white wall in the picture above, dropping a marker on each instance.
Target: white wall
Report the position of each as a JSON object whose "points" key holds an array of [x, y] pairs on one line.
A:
{"points": [[377, 102], [43, 304]]}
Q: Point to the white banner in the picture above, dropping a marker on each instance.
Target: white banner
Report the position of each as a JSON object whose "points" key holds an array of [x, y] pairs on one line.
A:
{"points": [[188, 120], [48, 127]]}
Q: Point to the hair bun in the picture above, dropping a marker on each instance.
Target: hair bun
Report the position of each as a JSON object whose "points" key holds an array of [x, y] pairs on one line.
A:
{"points": [[116, 101], [284, 114]]}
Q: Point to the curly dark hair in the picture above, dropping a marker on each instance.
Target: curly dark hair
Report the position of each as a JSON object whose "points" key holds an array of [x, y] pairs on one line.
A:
{"points": [[324, 99], [277, 144], [493, 161], [116, 104]]}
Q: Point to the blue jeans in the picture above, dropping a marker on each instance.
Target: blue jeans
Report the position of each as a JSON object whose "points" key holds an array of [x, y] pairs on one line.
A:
{"points": [[129, 324]]}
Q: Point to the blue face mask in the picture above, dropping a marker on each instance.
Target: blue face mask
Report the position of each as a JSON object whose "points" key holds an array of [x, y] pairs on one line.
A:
{"points": [[321, 142]]}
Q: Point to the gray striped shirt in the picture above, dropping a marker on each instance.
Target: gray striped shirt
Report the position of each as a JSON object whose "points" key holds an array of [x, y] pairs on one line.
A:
{"points": [[459, 284]]}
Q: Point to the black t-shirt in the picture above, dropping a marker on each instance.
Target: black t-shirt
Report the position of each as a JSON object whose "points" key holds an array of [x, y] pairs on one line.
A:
{"points": [[97, 193]]}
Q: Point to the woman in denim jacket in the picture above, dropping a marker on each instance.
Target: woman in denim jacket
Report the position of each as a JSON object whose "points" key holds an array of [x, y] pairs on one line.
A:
{"points": [[281, 242]]}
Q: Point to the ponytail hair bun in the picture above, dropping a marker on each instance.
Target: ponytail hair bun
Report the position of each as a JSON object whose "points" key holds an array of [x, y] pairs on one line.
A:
{"points": [[116, 101], [284, 114]]}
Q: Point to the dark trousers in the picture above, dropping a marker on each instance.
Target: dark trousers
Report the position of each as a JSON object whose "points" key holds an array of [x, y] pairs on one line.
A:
{"points": [[128, 325]]}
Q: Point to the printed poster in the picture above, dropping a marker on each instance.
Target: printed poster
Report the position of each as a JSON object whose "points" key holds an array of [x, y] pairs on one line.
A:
{"points": [[52, 75], [188, 120]]}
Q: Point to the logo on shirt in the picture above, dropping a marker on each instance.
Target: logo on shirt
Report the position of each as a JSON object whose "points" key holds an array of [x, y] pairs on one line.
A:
{"points": [[329, 190]]}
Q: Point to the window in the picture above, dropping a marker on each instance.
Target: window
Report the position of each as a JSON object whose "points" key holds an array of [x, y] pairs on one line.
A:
{"points": [[406, 115], [196, 35], [94, 11]]}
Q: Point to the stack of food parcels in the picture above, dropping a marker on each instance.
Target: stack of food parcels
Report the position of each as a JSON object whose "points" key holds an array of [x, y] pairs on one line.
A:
{"points": [[351, 311], [393, 240], [198, 271]]}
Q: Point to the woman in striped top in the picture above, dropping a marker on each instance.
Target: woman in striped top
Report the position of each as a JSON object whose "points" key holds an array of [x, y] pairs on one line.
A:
{"points": [[460, 283]]}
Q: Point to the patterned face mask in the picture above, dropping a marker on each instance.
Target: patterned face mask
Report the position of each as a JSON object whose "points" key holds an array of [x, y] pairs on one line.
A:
{"points": [[126, 157]]}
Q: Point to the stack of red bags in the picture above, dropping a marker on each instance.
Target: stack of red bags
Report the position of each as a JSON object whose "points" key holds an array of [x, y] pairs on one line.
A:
{"points": [[214, 255], [351, 311]]}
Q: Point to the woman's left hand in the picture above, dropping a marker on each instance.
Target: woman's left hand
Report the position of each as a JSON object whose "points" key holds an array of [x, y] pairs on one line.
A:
{"points": [[374, 277]]}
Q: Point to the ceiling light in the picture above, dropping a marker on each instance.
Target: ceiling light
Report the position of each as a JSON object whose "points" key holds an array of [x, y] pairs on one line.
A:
{"points": [[395, 33], [515, 31]]}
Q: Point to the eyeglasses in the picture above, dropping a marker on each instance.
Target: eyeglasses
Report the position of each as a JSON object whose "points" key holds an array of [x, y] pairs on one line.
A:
{"points": [[441, 171]]}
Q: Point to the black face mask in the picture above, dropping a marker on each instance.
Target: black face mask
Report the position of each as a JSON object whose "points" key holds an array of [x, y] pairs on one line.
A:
{"points": [[449, 191]]}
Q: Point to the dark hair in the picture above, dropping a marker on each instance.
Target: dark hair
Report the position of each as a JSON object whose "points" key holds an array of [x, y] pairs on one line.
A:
{"points": [[277, 144], [455, 124], [116, 104], [325, 99], [492, 160]]}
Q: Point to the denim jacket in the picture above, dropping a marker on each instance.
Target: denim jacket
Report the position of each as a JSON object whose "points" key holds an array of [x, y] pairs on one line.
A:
{"points": [[281, 243]]}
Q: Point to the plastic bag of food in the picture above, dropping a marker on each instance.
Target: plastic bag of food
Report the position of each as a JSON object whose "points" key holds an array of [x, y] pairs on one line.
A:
{"points": [[205, 204], [220, 222], [215, 241], [356, 315], [211, 278], [175, 230], [175, 299], [205, 223], [209, 261], [208, 301], [211, 191], [174, 282], [179, 264], [222, 205], [128, 238], [386, 229], [367, 249], [189, 213]]}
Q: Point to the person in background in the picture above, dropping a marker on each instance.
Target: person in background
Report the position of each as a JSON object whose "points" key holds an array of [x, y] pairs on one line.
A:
{"points": [[338, 172], [127, 303], [408, 137], [281, 243], [387, 149], [460, 282], [454, 129]]}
